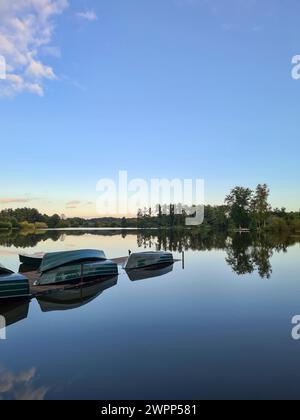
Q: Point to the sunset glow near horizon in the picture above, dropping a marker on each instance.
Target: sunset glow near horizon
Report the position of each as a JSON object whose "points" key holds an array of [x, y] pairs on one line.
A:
{"points": [[174, 89]]}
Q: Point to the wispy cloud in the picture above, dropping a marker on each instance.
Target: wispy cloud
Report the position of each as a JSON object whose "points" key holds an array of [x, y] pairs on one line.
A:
{"points": [[88, 15], [14, 200], [51, 51], [73, 82], [26, 30], [73, 204]]}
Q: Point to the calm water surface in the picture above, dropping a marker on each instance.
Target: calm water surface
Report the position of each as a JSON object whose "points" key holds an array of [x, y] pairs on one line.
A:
{"points": [[219, 327]]}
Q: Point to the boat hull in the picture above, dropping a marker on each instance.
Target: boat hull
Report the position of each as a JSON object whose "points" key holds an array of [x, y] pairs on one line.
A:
{"points": [[55, 260], [74, 273], [148, 259], [14, 286]]}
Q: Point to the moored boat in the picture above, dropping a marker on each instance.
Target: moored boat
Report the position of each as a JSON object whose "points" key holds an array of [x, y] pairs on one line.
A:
{"points": [[148, 259], [13, 285], [51, 260], [54, 260], [75, 272]]}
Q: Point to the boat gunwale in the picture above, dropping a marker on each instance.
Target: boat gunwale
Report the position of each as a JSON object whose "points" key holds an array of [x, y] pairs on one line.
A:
{"points": [[49, 266]]}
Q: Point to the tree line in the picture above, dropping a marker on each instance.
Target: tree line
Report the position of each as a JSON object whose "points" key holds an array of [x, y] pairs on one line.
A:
{"points": [[243, 209], [32, 219]]}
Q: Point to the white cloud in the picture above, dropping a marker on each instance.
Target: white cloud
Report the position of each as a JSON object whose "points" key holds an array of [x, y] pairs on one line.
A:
{"points": [[26, 30], [39, 71], [88, 15]]}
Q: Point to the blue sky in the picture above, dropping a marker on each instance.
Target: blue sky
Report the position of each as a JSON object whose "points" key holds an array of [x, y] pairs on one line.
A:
{"points": [[172, 88]]}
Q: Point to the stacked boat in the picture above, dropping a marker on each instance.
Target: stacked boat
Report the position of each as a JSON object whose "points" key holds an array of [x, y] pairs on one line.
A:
{"points": [[70, 266], [148, 259], [144, 265], [73, 267], [13, 285]]}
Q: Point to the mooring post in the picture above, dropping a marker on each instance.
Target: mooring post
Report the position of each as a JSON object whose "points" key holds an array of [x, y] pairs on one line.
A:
{"points": [[183, 262]]}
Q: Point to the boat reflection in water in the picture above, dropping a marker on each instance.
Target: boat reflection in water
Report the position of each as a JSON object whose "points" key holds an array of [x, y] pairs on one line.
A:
{"points": [[75, 297], [14, 310], [150, 272]]}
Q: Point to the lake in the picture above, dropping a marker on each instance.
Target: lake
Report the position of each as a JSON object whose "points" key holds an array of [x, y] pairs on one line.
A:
{"points": [[218, 326]]}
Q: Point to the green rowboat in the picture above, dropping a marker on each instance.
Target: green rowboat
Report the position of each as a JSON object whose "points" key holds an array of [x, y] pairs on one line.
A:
{"points": [[73, 273], [13, 285], [58, 259], [148, 259]]}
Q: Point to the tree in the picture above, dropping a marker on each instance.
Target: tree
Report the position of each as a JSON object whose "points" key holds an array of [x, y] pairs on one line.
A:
{"points": [[260, 206], [172, 215], [53, 221], [239, 204], [160, 216], [280, 212]]}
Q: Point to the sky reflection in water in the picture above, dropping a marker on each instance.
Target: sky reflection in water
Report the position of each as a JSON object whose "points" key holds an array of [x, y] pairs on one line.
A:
{"points": [[220, 328]]}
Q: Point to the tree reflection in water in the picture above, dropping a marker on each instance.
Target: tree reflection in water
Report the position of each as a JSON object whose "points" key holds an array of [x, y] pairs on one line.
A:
{"points": [[246, 252]]}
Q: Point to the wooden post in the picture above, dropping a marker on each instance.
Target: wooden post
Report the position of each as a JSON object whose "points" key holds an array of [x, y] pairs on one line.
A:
{"points": [[183, 261]]}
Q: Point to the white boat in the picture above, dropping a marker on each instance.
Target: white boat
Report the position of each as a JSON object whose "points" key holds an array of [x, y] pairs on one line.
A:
{"points": [[148, 259]]}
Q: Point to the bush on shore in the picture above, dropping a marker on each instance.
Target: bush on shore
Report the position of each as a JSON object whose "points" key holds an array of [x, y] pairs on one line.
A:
{"points": [[40, 225], [280, 225], [5, 225], [26, 225]]}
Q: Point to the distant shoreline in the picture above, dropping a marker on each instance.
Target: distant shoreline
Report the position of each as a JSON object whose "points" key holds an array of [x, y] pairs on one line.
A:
{"points": [[103, 229]]}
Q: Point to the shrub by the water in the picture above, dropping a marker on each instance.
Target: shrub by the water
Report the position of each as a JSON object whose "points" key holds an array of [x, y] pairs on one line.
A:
{"points": [[5, 224], [40, 225], [26, 225]]}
